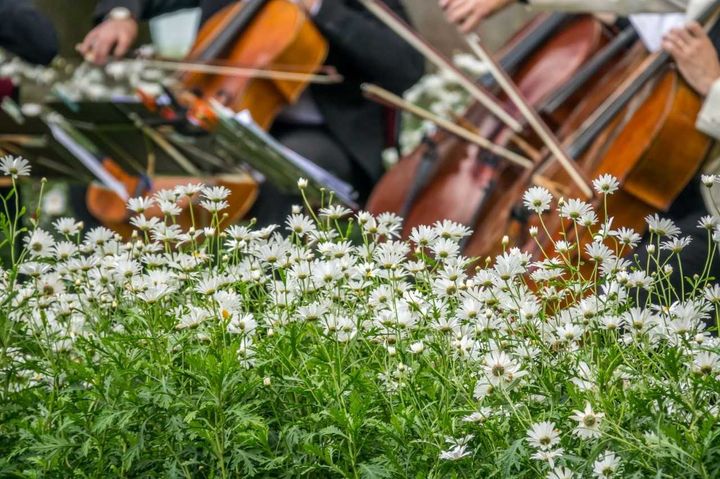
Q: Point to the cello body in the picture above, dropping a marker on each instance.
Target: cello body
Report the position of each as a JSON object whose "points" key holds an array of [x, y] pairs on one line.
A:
{"points": [[506, 216], [642, 150], [260, 35]]}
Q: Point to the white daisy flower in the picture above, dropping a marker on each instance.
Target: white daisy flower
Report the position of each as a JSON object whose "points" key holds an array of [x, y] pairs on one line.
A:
{"points": [[543, 435], [588, 422], [606, 184], [537, 199], [458, 448], [706, 363], [662, 227], [606, 466], [67, 226], [14, 166], [561, 472]]}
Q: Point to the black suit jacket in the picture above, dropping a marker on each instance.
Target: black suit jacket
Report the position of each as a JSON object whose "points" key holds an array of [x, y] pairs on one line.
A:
{"points": [[26, 32], [361, 48]]}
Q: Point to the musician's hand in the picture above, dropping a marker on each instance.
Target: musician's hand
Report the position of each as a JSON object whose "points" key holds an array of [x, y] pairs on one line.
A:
{"points": [[111, 37], [467, 14], [309, 4], [695, 56]]}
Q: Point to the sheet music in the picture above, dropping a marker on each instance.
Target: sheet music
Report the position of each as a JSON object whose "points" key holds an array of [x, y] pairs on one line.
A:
{"points": [[317, 173], [87, 159], [653, 26], [272, 158]]}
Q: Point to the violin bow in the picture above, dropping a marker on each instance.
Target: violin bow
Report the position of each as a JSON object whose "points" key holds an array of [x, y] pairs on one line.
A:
{"points": [[404, 31], [381, 95], [328, 78], [530, 115]]}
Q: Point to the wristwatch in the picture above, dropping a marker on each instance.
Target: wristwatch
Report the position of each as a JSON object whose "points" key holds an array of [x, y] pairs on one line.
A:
{"points": [[119, 13]]}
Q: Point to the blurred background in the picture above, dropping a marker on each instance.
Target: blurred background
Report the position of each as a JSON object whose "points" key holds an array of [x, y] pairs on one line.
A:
{"points": [[174, 33]]}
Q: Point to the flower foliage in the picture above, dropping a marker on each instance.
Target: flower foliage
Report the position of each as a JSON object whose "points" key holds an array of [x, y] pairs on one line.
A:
{"points": [[330, 348]]}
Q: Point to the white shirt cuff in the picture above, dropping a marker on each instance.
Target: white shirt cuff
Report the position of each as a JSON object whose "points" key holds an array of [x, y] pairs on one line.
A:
{"points": [[708, 120]]}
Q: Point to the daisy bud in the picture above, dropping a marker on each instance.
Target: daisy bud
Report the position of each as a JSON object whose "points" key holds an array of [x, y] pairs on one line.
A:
{"points": [[668, 269], [651, 249], [302, 183], [270, 332], [417, 348], [533, 230], [708, 180], [225, 258], [391, 350], [505, 241], [296, 209], [267, 381]]}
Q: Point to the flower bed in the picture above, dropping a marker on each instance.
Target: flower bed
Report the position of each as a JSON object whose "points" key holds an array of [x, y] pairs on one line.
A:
{"points": [[328, 348]]}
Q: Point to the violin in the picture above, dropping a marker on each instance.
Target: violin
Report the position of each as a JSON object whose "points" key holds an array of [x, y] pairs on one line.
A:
{"points": [[254, 55]]}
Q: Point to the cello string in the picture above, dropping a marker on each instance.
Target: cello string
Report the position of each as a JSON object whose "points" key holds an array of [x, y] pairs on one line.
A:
{"points": [[384, 96], [405, 32], [531, 116]]}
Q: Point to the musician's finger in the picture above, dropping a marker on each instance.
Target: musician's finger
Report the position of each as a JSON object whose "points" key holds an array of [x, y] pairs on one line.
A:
{"points": [[102, 48], [672, 48], [459, 10], [676, 40], [696, 30], [87, 43], [684, 35], [122, 46]]}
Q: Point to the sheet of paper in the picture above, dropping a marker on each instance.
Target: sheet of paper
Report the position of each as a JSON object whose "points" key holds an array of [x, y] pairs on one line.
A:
{"points": [[652, 26]]}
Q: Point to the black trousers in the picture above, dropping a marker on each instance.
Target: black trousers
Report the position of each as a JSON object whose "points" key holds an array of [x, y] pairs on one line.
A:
{"points": [[318, 145]]}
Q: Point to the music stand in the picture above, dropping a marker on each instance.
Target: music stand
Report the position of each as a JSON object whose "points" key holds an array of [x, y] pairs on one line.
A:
{"points": [[239, 136]]}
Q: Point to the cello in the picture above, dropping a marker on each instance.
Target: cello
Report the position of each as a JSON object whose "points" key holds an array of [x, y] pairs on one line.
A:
{"points": [[271, 52], [448, 181], [633, 135]]}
